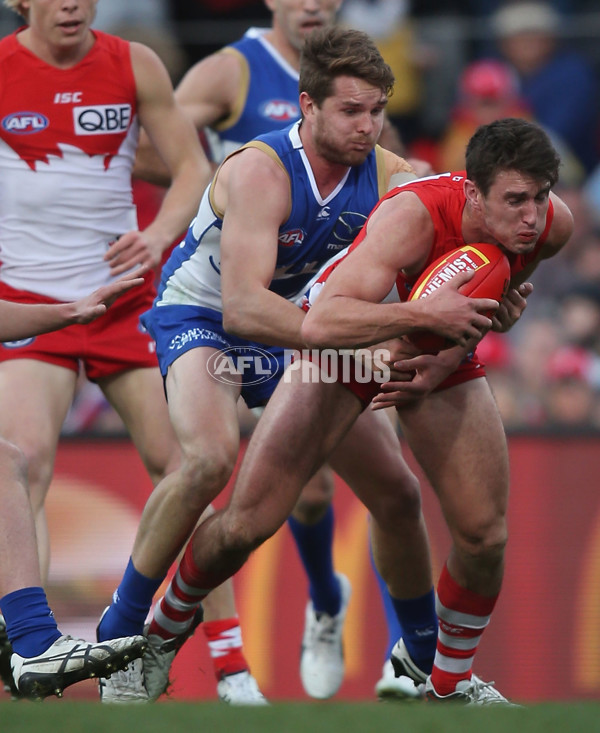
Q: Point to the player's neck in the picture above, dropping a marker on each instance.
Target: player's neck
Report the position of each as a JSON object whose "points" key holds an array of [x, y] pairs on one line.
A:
{"points": [[63, 56], [327, 174], [280, 43], [472, 226]]}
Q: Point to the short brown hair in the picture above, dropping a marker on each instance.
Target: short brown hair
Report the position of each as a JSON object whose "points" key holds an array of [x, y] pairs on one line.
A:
{"points": [[335, 51], [511, 144]]}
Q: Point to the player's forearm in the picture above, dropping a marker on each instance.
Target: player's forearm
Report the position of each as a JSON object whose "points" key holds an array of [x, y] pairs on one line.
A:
{"points": [[149, 166], [267, 318], [349, 323], [20, 320], [180, 204]]}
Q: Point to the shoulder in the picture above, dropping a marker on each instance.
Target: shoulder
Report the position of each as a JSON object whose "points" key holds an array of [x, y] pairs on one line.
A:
{"points": [[223, 67], [256, 161], [254, 167], [393, 163], [142, 54], [149, 71], [562, 223]]}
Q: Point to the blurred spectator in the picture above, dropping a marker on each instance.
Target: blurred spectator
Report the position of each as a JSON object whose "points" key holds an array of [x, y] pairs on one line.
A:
{"points": [[204, 26], [487, 90], [558, 83], [579, 261], [496, 351], [441, 28], [586, 264], [389, 24], [534, 341], [580, 318], [111, 13], [9, 20], [571, 399], [146, 23]]}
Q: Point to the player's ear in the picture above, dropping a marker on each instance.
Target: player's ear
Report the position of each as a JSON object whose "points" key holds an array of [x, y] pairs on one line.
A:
{"points": [[307, 104], [472, 193]]}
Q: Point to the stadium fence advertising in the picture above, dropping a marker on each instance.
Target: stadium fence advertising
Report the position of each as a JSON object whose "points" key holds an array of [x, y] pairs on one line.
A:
{"points": [[544, 641]]}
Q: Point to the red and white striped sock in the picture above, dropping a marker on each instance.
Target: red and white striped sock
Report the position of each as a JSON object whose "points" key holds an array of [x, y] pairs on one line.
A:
{"points": [[224, 638], [463, 616], [174, 612]]}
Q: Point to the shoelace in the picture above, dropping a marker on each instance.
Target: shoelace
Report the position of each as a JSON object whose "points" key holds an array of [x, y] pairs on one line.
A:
{"points": [[485, 692], [325, 628], [130, 679]]}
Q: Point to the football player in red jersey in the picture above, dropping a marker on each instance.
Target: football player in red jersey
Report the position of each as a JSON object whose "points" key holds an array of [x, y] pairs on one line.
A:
{"points": [[36, 660], [445, 406], [72, 103]]}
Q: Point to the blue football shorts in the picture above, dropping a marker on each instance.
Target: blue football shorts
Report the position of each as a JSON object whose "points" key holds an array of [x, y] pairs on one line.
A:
{"points": [[177, 329]]}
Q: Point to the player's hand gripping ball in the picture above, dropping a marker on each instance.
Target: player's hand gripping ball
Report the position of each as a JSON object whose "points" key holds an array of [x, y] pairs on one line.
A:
{"points": [[491, 280]]}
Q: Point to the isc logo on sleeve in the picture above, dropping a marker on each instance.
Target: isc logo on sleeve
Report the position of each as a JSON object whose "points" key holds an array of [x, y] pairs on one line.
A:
{"points": [[102, 119]]}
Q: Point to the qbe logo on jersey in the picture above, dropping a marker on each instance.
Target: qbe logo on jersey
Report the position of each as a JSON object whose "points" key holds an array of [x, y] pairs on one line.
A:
{"points": [[102, 119]]}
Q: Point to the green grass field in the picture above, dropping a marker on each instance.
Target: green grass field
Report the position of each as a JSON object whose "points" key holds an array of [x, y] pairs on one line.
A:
{"points": [[298, 717]]}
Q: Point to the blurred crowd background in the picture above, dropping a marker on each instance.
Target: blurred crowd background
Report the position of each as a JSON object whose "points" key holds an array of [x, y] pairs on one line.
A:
{"points": [[458, 64]]}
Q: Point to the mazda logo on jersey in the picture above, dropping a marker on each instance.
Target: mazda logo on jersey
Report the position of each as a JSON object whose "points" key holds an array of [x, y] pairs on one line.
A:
{"points": [[281, 110], [25, 123], [346, 229], [102, 119]]}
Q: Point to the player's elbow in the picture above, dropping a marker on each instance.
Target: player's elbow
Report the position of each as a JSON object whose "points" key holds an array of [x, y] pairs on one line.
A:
{"points": [[234, 318], [150, 168], [314, 335]]}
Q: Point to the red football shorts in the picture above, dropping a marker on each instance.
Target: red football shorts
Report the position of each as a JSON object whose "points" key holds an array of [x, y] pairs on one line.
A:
{"points": [[471, 368], [111, 344]]}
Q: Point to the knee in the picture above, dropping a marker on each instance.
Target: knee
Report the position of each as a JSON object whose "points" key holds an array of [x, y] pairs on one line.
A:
{"points": [[241, 535], [483, 540], [398, 504], [161, 464], [17, 468], [315, 498], [203, 475], [14, 462]]}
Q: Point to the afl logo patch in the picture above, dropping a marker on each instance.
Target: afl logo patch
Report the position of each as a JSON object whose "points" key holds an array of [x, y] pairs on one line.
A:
{"points": [[252, 364], [17, 344], [289, 239], [25, 123], [280, 110]]}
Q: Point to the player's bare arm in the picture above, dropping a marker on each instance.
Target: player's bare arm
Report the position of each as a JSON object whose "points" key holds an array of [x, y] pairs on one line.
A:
{"points": [[175, 138], [210, 91], [349, 311], [21, 320], [253, 191], [207, 94]]}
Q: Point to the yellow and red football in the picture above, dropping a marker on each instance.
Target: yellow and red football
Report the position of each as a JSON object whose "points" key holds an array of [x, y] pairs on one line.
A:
{"points": [[491, 280]]}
